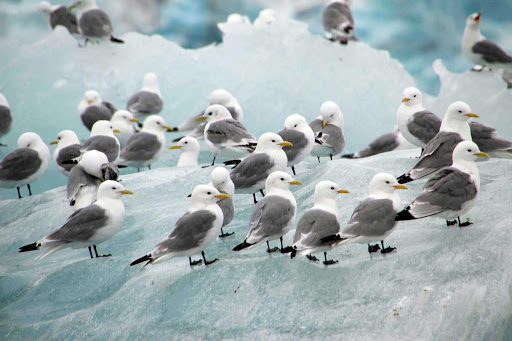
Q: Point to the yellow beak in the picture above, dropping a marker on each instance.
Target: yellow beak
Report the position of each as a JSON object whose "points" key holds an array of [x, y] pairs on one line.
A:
{"points": [[88, 101], [175, 147], [324, 124], [71, 7], [343, 191], [134, 120], [295, 182], [54, 142], [472, 115], [286, 144], [482, 154], [200, 118], [400, 186], [126, 191], [223, 196], [116, 131], [102, 179], [167, 127], [405, 99]]}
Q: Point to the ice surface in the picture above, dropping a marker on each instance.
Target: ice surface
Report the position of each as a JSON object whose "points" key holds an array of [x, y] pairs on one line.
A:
{"points": [[442, 283]]}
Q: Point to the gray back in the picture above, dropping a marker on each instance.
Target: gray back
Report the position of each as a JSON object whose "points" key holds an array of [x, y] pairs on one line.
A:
{"points": [[336, 14], [141, 146], [491, 52], [81, 225], [95, 113], [61, 16], [297, 138], [5, 120], [381, 144], [253, 169], [19, 164], [486, 139], [424, 125], [68, 154], [221, 131], [228, 209], [372, 218], [105, 144], [333, 136], [316, 125], [270, 216], [145, 102], [437, 153], [78, 178], [316, 224], [95, 23]]}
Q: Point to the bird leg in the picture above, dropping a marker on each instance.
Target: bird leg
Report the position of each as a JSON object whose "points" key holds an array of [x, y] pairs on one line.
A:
{"points": [[330, 156], [222, 234], [293, 170], [254, 197], [196, 262], [138, 169], [262, 193], [29, 191], [451, 222], [373, 248], [90, 252], [283, 249], [318, 157], [206, 262], [329, 262], [19, 194], [269, 250], [149, 167], [213, 163], [3, 145], [312, 258], [467, 223], [96, 252], [387, 249]]}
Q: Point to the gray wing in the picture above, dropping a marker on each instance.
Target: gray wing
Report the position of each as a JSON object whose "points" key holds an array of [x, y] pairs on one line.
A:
{"points": [[188, 233], [67, 154], [297, 138], [316, 125], [105, 144], [77, 179], [95, 23], [424, 125], [314, 225], [332, 136], [335, 14], [228, 209], [109, 106], [61, 16], [19, 164], [448, 189], [81, 225], [140, 147], [5, 119], [269, 217], [233, 112], [93, 114], [491, 52], [110, 171], [381, 144], [224, 130], [145, 102], [251, 170], [486, 139], [371, 218]]}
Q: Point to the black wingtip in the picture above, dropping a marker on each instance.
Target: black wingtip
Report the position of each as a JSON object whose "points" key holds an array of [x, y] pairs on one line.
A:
{"points": [[242, 246], [348, 156], [116, 40], [404, 178], [405, 215], [142, 259], [122, 166], [331, 238], [178, 139], [288, 249], [293, 254], [29, 247], [232, 162]]}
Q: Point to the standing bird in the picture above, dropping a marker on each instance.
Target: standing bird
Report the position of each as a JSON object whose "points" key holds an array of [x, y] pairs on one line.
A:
{"points": [[26, 164], [190, 147], [374, 218], [382, 144], [148, 101], [480, 51], [224, 136], [59, 16], [93, 23], [194, 231], [265, 18], [452, 191], [89, 226], [92, 109], [416, 124], [145, 147], [5, 118], [123, 121], [250, 175], [438, 152], [68, 149], [329, 140], [103, 139], [274, 215], [222, 182], [488, 141], [318, 222], [338, 22], [299, 133]]}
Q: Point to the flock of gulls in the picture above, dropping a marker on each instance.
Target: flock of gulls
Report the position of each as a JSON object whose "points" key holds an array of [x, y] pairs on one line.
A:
{"points": [[449, 147]]}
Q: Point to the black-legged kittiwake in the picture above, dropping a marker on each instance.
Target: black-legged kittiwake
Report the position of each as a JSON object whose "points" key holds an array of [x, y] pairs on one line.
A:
{"points": [[59, 15], [147, 101], [329, 140], [222, 182], [338, 22], [190, 151], [382, 144], [488, 141], [103, 139], [123, 121], [68, 149], [299, 133], [92, 109], [5, 118]]}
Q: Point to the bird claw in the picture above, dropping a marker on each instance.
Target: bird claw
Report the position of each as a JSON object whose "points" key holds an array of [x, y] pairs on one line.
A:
{"points": [[467, 223], [211, 262], [388, 250], [273, 249], [109, 255], [373, 248], [223, 235], [330, 262], [196, 262], [451, 222], [312, 258]]}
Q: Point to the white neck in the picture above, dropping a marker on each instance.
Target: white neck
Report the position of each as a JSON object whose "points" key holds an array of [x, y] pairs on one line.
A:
{"points": [[468, 167], [86, 7], [281, 192], [391, 196], [327, 204], [111, 205], [188, 158], [472, 35], [456, 126]]}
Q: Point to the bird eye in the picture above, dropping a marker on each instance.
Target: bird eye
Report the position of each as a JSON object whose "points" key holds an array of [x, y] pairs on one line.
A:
{"points": [[460, 111], [414, 95], [209, 193], [113, 188], [110, 127], [332, 188], [58, 138], [210, 114], [158, 123], [273, 140], [469, 150], [186, 142], [282, 179], [387, 182], [295, 126]]}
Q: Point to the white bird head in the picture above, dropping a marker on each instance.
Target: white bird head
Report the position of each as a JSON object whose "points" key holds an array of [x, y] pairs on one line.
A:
{"points": [[327, 190], [280, 180], [66, 138], [295, 122], [187, 144], [91, 161], [214, 113], [331, 114], [44, 7], [467, 151], [207, 195], [221, 179], [265, 18], [92, 97], [473, 21], [412, 97], [30, 140], [155, 123], [459, 111], [150, 82], [123, 116], [384, 183], [271, 141], [103, 127], [235, 18], [220, 96], [111, 190], [81, 5], [3, 101]]}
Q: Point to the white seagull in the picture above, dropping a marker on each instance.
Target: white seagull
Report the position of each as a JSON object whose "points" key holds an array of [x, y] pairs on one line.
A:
{"points": [[190, 147], [123, 121], [148, 100], [68, 149], [103, 139], [299, 133], [328, 126]]}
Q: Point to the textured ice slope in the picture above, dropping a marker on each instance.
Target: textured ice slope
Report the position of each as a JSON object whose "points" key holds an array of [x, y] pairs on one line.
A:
{"points": [[442, 283]]}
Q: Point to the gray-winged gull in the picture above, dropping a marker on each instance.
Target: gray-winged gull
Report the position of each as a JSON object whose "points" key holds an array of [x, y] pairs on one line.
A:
{"points": [[488, 141], [147, 101], [222, 182], [329, 139], [92, 109], [382, 144], [123, 121], [102, 138], [338, 22], [59, 15], [68, 149], [5, 117], [299, 133], [190, 151]]}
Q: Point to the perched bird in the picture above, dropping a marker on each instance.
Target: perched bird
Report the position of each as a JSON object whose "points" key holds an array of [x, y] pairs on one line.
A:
{"points": [[488, 141], [92, 109], [218, 96], [145, 147], [338, 22], [265, 18], [222, 182], [190, 147], [382, 144], [68, 149], [93, 23], [452, 191], [274, 215], [85, 178], [123, 120], [59, 15], [329, 140], [299, 133], [374, 218], [318, 222], [416, 124], [103, 139], [438, 152], [225, 136], [26, 164], [250, 174], [194, 231], [148, 100], [480, 51], [89, 226], [5, 117]]}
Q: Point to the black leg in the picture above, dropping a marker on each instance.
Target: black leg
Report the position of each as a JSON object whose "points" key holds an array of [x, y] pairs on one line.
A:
{"points": [[293, 170], [281, 240], [318, 157], [149, 167], [451, 222], [138, 169], [373, 248], [467, 223], [19, 194], [96, 252], [312, 258], [3, 145], [196, 262], [206, 262], [269, 250], [90, 252], [29, 191], [329, 262], [262, 193], [222, 234], [213, 162], [387, 249], [254, 197], [331, 157]]}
